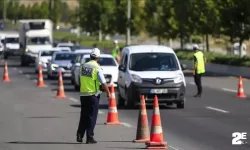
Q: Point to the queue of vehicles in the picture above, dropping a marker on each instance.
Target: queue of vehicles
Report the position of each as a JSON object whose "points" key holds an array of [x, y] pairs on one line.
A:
{"points": [[144, 69]]}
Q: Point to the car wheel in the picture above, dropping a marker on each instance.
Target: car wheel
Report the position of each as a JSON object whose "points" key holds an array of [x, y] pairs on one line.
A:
{"points": [[77, 88], [49, 77], [121, 101], [180, 105], [36, 71], [129, 102], [72, 81]]}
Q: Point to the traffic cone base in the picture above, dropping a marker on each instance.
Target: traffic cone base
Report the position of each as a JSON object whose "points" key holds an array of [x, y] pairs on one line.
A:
{"points": [[156, 145], [141, 141], [112, 123]]}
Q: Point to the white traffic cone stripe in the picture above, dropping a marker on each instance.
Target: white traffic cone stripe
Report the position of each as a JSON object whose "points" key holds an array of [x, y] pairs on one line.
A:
{"points": [[112, 95], [143, 102], [113, 109], [157, 129], [156, 110], [61, 87], [143, 112]]}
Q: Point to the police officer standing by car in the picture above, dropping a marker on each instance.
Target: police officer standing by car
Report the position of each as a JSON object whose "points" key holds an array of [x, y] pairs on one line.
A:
{"points": [[199, 68], [92, 83]]}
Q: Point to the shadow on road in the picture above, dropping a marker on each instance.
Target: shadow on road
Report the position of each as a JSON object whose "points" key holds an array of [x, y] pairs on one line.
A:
{"points": [[66, 90], [44, 117], [208, 74], [55, 83], [23, 142], [124, 148]]}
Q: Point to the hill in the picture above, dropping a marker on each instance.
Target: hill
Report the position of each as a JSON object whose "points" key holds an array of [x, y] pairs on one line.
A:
{"points": [[72, 3]]}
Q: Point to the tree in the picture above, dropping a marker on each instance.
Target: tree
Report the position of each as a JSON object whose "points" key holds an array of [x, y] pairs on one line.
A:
{"points": [[44, 10], [235, 20], [21, 12], [183, 11], [56, 12], [205, 18], [160, 19]]}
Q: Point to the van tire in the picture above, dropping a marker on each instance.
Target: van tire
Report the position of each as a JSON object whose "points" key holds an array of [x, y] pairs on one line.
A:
{"points": [[180, 105], [120, 100], [129, 103]]}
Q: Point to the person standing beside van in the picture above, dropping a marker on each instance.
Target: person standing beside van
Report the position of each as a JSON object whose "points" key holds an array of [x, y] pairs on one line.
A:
{"points": [[199, 69], [116, 51]]}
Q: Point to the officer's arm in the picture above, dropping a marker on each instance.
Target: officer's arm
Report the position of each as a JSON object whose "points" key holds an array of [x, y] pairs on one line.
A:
{"points": [[102, 80], [195, 63]]}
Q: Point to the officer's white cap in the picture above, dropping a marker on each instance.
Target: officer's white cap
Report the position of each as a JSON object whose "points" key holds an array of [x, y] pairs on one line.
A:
{"points": [[116, 41], [95, 52], [195, 46]]}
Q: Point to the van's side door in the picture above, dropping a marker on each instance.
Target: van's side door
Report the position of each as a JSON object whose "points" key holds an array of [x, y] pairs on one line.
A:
{"points": [[122, 75]]}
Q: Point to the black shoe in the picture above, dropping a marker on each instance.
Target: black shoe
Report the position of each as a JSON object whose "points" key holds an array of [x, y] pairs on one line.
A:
{"points": [[79, 138], [197, 95], [91, 141]]}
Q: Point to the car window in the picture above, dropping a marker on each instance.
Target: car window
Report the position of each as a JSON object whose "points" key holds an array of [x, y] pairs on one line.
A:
{"points": [[64, 56], [47, 53], [153, 62], [104, 61]]}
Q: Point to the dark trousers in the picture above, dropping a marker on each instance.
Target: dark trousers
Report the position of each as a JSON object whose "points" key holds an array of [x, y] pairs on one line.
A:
{"points": [[89, 112], [197, 80]]}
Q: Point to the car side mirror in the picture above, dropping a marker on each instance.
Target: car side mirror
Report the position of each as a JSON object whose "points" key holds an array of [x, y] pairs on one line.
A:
{"points": [[183, 66], [122, 67], [77, 64]]}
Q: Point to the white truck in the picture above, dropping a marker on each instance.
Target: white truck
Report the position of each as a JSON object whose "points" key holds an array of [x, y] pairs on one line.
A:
{"points": [[35, 35]]}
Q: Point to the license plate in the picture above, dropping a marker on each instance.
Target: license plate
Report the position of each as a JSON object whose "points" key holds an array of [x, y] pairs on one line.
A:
{"points": [[158, 91], [107, 79]]}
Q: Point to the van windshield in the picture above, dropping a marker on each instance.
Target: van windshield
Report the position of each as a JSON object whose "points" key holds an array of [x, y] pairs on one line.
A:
{"points": [[153, 62], [12, 40]]}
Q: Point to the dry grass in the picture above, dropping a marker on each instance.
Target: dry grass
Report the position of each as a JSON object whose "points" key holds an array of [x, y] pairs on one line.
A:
{"points": [[72, 3]]}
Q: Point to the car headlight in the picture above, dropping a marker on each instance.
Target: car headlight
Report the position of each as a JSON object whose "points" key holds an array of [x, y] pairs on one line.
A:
{"points": [[54, 66], [178, 79], [136, 78], [26, 50]]}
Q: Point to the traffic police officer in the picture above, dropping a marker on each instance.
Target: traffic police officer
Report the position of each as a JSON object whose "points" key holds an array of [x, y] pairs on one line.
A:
{"points": [[116, 51], [199, 69], [92, 81]]}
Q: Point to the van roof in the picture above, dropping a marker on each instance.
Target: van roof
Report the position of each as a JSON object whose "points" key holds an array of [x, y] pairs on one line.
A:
{"points": [[102, 55], [148, 49]]}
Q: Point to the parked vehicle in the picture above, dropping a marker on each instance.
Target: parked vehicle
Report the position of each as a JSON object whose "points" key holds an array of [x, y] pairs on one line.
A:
{"points": [[43, 58], [150, 70], [60, 61]]}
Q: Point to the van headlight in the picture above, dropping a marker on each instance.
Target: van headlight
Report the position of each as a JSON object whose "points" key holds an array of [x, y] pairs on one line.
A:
{"points": [[26, 50], [54, 66], [136, 78], [178, 79]]}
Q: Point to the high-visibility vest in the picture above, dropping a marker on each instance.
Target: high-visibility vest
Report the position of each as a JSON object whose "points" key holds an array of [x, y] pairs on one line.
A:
{"points": [[200, 62], [115, 51], [89, 78]]}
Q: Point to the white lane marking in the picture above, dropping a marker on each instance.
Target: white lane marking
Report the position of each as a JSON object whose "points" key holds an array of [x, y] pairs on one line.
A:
{"points": [[217, 109], [15, 68], [100, 112], [34, 80], [73, 99], [192, 83], [20, 71], [174, 148], [28, 76], [229, 90], [127, 124]]}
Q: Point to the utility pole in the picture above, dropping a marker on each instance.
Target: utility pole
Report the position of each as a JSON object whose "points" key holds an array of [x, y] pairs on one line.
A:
{"points": [[51, 7], [129, 23]]}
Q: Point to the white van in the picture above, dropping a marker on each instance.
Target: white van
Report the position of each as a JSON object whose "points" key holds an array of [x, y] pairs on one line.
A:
{"points": [[150, 70]]}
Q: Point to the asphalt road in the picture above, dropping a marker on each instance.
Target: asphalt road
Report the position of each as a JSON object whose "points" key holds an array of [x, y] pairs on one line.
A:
{"points": [[32, 118]]}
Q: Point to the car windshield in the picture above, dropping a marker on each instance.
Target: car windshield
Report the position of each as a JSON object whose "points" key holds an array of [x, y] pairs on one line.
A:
{"points": [[64, 56], [153, 62], [47, 53], [105, 61], [38, 41], [73, 48], [12, 40]]}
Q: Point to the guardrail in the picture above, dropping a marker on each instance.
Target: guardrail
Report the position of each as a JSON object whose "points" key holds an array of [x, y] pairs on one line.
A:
{"points": [[222, 69]]}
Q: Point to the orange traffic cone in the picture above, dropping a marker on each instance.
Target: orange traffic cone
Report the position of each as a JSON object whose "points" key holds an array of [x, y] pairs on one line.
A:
{"points": [[60, 91], [112, 118], [40, 82], [240, 93], [6, 74], [156, 135], [142, 134]]}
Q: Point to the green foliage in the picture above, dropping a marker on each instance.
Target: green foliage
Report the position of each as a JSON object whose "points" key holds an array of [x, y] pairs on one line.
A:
{"points": [[215, 58]]}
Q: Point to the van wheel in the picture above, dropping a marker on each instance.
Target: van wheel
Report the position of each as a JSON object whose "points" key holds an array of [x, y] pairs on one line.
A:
{"points": [[120, 100], [180, 105], [77, 88], [129, 103]]}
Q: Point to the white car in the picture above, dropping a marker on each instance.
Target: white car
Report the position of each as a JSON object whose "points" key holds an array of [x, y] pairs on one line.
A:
{"points": [[151, 70], [65, 44], [66, 49], [109, 66], [43, 58]]}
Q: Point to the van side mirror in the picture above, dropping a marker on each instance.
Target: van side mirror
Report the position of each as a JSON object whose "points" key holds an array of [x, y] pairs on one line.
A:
{"points": [[122, 67], [183, 66]]}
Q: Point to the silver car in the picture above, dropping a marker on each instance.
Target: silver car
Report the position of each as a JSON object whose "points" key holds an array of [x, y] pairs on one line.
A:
{"points": [[60, 61]]}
